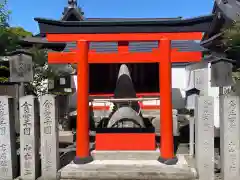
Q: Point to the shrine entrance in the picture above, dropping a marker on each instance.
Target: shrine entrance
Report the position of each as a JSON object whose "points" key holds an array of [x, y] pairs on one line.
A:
{"points": [[164, 55]]}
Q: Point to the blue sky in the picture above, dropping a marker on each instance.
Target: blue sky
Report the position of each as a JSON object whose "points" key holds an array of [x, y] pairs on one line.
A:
{"points": [[24, 11]]}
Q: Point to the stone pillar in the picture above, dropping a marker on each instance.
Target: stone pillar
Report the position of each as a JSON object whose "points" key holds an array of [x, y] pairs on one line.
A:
{"points": [[191, 136], [29, 137], [204, 119], [231, 130], [221, 76], [49, 136], [8, 152], [21, 71], [191, 95], [175, 123]]}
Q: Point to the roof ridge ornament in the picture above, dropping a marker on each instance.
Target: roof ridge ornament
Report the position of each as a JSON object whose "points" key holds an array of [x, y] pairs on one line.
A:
{"points": [[72, 3]]}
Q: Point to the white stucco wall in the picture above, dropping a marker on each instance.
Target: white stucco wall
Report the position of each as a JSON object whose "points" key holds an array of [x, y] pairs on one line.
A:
{"points": [[179, 79]]}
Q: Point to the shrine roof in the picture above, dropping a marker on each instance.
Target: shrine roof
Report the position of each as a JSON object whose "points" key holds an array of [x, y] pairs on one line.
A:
{"points": [[184, 46], [226, 14], [132, 19], [29, 41], [198, 24]]}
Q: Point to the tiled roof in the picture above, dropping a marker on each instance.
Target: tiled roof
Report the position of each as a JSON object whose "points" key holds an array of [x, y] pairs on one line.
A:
{"points": [[131, 19]]}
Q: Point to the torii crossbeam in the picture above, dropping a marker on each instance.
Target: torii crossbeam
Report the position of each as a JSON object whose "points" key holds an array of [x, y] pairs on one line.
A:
{"points": [[163, 55]]}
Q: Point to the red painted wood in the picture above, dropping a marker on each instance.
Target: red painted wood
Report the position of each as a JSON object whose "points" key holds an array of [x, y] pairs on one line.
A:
{"points": [[143, 107], [82, 149], [125, 141], [138, 94], [123, 57], [165, 56], [165, 86], [125, 37], [123, 46]]}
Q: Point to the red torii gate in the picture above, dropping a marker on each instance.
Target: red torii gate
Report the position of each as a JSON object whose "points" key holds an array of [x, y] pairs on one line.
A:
{"points": [[163, 55]]}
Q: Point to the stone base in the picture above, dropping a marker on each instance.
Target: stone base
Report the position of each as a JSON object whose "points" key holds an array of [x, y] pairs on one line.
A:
{"points": [[85, 160], [171, 161], [128, 169], [125, 155]]}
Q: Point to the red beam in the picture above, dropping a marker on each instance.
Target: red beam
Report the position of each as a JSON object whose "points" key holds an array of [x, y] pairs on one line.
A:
{"points": [[124, 37], [123, 46], [177, 56], [138, 94], [123, 57], [125, 141], [62, 57], [143, 107]]}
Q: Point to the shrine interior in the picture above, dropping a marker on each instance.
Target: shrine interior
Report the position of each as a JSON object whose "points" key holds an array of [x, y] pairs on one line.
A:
{"points": [[103, 77]]}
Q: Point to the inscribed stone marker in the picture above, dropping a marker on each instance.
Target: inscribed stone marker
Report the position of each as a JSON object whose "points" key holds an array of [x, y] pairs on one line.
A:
{"points": [[21, 68], [201, 80], [49, 136], [8, 154], [231, 130], [204, 117], [221, 74], [29, 137]]}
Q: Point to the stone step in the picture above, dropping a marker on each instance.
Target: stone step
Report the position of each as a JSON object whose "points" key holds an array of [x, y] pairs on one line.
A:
{"points": [[128, 169], [126, 155]]}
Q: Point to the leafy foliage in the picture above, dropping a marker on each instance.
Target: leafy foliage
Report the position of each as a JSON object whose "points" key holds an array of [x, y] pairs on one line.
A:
{"points": [[10, 38], [231, 40], [42, 71], [4, 14], [9, 35], [9, 42], [231, 37]]}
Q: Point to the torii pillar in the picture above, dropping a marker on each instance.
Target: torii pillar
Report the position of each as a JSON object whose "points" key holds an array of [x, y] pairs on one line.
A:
{"points": [[164, 55]]}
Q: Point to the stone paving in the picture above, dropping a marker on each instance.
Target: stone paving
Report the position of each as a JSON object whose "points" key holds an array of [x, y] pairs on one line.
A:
{"points": [[139, 167], [129, 169]]}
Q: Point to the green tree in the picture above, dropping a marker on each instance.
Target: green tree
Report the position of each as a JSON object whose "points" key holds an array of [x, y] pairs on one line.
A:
{"points": [[10, 38], [4, 13], [43, 71], [9, 42], [231, 37], [231, 43]]}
